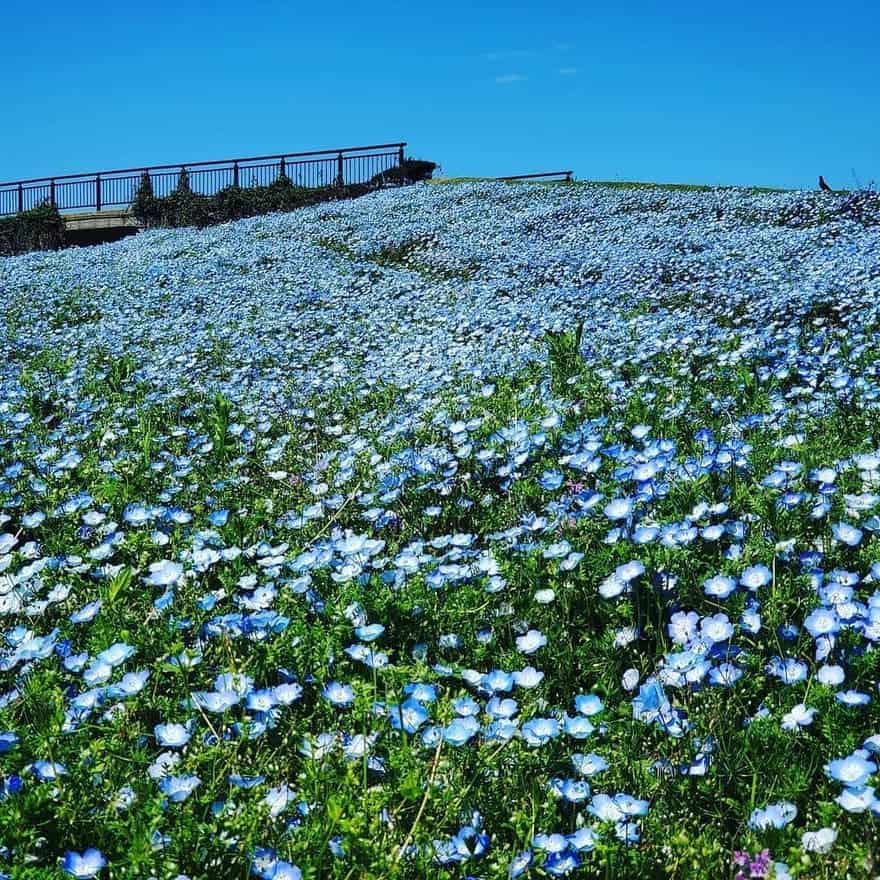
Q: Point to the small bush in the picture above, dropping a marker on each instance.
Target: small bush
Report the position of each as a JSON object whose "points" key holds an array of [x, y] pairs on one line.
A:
{"points": [[40, 229], [184, 207], [187, 208], [145, 205], [412, 171]]}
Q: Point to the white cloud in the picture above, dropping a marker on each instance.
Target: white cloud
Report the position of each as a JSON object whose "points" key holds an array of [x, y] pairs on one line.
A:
{"points": [[509, 78]]}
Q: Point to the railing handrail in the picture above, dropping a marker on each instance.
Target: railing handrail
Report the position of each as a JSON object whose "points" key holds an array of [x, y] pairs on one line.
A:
{"points": [[567, 174], [178, 165]]}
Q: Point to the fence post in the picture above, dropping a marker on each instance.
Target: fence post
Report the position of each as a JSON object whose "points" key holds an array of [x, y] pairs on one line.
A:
{"points": [[235, 173], [97, 192], [400, 155], [20, 199], [52, 193], [339, 178], [282, 169]]}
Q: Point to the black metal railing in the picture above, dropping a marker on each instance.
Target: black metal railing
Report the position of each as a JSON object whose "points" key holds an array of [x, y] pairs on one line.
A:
{"points": [[104, 189], [546, 175]]}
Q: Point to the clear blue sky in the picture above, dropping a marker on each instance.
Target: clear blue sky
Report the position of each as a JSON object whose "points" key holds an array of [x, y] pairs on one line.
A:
{"points": [[701, 92]]}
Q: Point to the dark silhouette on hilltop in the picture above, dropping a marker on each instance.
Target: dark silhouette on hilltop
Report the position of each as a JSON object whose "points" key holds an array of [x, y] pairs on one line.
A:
{"points": [[823, 185]]}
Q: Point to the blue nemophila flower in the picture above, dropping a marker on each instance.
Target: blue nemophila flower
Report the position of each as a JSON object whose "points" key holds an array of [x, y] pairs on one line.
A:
{"points": [[719, 586], [577, 727], [822, 622], [858, 799], [469, 843], [798, 716], [573, 791], [279, 798], [87, 613], [619, 509], [528, 677], [282, 870], [853, 770], [46, 771], [520, 864], [788, 669], [588, 765], [551, 480], [819, 841], [460, 731], [116, 654], [613, 586], [830, 676], [550, 843], [716, 628], [557, 551], [725, 675], [164, 573], [570, 562], [588, 704], [84, 866], [8, 740], [216, 702], [338, 694], [853, 698], [408, 716], [178, 788], [260, 700], [539, 731], [174, 736], [370, 632], [246, 782], [773, 816], [682, 626], [531, 642], [501, 708], [424, 693], [847, 534]]}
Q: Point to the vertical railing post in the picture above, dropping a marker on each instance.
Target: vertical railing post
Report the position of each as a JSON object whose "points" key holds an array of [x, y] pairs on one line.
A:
{"points": [[52, 193], [20, 199], [97, 192], [339, 178], [400, 155], [235, 173]]}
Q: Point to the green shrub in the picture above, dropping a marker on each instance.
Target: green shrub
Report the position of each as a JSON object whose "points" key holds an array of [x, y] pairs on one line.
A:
{"points": [[412, 171], [40, 229], [145, 206], [187, 208]]}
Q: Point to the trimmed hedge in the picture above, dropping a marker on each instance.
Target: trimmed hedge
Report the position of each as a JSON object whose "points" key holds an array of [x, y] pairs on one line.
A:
{"points": [[412, 171], [184, 207], [42, 228], [39, 229], [187, 208]]}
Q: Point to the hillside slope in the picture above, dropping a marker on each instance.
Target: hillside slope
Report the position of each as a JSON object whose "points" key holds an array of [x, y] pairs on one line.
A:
{"points": [[462, 531]]}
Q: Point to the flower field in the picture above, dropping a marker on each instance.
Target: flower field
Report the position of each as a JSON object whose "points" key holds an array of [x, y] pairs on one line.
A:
{"points": [[472, 530]]}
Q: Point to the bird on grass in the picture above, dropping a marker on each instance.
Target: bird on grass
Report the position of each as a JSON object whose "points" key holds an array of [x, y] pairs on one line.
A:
{"points": [[823, 185]]}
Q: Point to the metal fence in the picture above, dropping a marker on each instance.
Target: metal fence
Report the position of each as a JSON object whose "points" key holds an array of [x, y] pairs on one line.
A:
{"points": [[545, 175], [106, 189]]}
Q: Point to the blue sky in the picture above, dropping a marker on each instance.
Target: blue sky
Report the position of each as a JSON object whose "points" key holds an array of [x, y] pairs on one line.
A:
{"points": [[767, 93]]}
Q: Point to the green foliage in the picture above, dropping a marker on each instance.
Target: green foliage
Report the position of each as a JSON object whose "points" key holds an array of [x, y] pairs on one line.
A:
{"points": [[187, 208], [144, 206], [40, 229], [564, 354], [412, 171]]}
